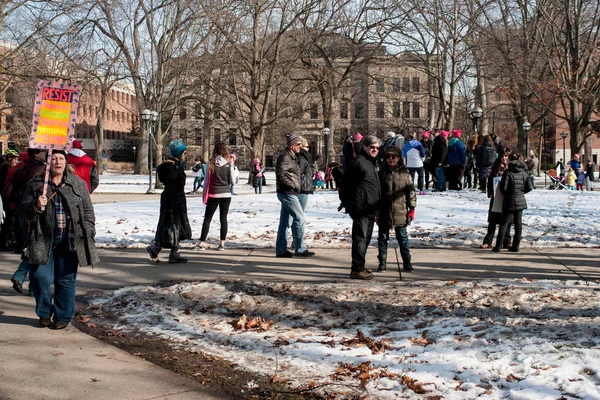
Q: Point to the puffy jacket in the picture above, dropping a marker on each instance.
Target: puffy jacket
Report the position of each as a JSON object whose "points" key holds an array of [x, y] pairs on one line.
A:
{"points": [[514, 184], [306, 172], [398, 195], [414, 152], [287, 172], [360, 189], [456, 152], [482, 171], [439, 150], [85, 168]]}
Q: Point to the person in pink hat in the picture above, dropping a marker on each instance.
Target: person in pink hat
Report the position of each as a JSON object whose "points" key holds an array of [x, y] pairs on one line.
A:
{"points": [[257, 176], [457, 158]]}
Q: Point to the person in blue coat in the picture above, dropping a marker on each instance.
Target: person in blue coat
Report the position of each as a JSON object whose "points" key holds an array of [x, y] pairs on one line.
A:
{"points": [[457, 158]]}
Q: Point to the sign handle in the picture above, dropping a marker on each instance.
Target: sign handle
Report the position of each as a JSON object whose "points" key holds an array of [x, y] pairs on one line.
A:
{"points": [[47, 175]]}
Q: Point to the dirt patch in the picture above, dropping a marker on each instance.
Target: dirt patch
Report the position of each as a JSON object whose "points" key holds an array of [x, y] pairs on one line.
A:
{"points": [[212, 372]]}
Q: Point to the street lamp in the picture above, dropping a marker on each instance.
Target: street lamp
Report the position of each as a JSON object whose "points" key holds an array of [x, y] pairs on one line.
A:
{"points": [[564, 135], [475, 114], [526, 129], [134, 159], [149, 118], [326, 131]]}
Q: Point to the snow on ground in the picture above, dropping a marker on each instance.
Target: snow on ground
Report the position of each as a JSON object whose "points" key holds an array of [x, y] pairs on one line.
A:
{"points": [[555, 218], [514, 339]]}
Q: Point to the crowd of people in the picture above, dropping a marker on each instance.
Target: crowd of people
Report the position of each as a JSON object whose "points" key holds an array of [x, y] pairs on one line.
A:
{"points": [[53, 225]]}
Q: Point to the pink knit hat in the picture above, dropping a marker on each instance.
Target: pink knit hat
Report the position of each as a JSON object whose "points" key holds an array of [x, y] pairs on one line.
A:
{"points": [[456, 133], [358, 136], [256, 161], [426, 134], [444, 134]]}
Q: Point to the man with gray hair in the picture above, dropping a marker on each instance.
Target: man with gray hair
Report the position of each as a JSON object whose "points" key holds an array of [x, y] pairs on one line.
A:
{"points": [[359, 193]]}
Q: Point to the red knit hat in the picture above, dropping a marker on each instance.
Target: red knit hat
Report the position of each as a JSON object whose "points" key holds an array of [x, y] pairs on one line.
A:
{"points": [[77, 144]]}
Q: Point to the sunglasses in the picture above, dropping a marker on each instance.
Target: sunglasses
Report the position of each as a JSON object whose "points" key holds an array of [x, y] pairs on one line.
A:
{"points": [[374, 147], [391, 156]]}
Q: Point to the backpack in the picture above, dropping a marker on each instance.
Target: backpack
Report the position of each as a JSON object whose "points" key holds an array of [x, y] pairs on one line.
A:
{"points": [[488, 157]]}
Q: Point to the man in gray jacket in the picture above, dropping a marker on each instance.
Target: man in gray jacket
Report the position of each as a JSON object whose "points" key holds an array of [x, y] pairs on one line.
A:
{"points": [[287, 174]]}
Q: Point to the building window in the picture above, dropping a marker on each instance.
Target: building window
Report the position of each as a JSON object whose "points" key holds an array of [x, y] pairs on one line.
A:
{"points": [[379, 110], [359, 111], [314, 112], [232, 139], [406, 84], [396, 85], [397, 111], [182, 113], [217, 136], [380, 85], [416, 110], [406, 107], [198, 137], [416, 84], [343, 110], [360, 85]]}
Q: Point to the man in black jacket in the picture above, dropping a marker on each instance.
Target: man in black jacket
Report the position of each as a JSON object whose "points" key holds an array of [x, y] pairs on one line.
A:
{"points": [[288, 179], [360, 192], [439, 151]]}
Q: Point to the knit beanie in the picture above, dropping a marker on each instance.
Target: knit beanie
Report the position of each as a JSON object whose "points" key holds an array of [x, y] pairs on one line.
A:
{"points": [[426, 134], [291, 139], [177, 148], [456, 133], [358, 136], [444, 134]]}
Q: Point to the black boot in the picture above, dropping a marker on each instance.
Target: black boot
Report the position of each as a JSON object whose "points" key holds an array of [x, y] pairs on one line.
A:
{"points": [[407, 266], [382, 262]]}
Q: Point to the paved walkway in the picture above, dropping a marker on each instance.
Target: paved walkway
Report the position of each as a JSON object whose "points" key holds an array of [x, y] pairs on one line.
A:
{"points": [[37, 363]]}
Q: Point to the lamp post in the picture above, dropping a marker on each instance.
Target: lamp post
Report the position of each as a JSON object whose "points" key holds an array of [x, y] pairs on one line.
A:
{"points": [[564, 135], [326, 131], [134, 159], [475, 113], [149, 118], [526, 129]]}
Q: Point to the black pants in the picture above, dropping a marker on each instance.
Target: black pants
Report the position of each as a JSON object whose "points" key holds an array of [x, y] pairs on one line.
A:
{"points": [[362, 230], [491, 231], [518, 224], [455, 177], [211, 206], [6, 235]]}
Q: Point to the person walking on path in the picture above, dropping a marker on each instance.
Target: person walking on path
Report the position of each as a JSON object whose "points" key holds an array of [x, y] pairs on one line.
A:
{"points": [[257, 176], [85, 167], [199, 173], [289, 185], [414, 153], [217, 193], [360, 192], [235, 173], [439, 153], [457, 158], [496, 198], [173, 224], [397, 208], [61, 237], [515, 183]]}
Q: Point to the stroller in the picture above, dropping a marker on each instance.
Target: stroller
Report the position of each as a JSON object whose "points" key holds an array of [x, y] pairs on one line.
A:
{"points": [[557, 182]]}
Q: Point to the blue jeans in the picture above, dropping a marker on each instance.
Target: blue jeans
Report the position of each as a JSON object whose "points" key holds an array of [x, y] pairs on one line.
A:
{"points": [[290, 208], [420, 173], [384, 237], [21, 272], [258, 188], [439, 172], [61, 271], [197, 183]]}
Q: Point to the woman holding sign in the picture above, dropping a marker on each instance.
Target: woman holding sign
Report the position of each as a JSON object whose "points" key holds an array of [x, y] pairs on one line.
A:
{"points": [[61, 231]]}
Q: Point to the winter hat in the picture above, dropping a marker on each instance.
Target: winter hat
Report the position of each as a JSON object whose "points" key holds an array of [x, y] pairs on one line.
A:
{"points": [[291, 139], [256, 161], [11, 153], [232, 155], [444, 134], [393, 150], [60, 151], [390, 135], [77, 144], [358, 136], [426, 134], [177, 148], [456, 133]]}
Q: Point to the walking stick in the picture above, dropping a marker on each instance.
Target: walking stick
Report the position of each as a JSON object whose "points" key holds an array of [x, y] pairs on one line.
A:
{"points": [[398, 262]]}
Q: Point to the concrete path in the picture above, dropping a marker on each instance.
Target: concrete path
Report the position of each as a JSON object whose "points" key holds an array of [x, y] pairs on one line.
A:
{"points": [[38, 363]]}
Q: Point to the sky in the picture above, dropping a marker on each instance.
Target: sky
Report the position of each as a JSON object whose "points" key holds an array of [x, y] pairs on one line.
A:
{"points": [[489, 339]]}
